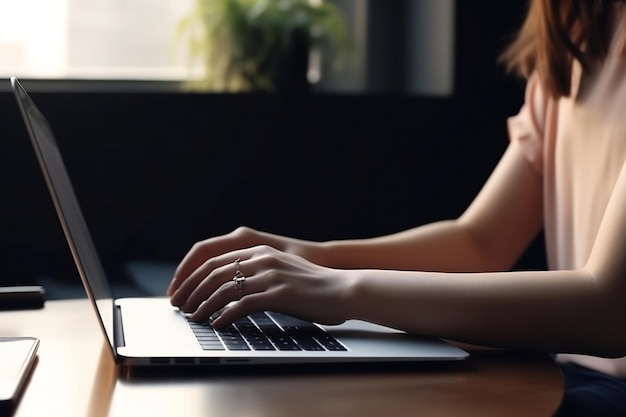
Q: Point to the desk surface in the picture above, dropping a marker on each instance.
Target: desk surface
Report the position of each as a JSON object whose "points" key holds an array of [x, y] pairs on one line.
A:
{"points": [[76, 376]]}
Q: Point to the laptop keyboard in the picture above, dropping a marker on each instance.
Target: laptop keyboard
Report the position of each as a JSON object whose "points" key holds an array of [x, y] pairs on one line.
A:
{"points": [[266, 331]]}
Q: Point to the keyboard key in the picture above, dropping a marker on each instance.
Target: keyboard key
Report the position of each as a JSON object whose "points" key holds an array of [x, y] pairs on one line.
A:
{"points": [[232, 338], [236, 344], [305, 341], [255, 338], [263, 331], [330, 343], [212, 345], [308, 344], [302, 330], [275, 334], [288, 321], [260, 343]]}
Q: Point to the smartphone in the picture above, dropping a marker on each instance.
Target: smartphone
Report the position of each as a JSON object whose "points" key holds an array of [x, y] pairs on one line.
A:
{"points": [[17, 358], [22, 297]]}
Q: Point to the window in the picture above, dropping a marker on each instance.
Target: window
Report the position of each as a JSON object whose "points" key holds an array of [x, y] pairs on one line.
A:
{"points": [[91, 39], [401, 45]]}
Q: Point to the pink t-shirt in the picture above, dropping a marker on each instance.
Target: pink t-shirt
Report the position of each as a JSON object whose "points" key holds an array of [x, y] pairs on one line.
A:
{"points": [[578, 145]]}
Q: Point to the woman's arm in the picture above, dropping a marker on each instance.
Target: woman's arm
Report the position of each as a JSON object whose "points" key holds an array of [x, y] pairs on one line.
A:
{"points": [[555, 311], [489, 236], [567, 311], [581, 311]]}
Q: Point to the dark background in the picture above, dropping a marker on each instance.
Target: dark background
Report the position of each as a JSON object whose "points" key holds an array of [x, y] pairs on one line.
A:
{"points": [[157, 171]]}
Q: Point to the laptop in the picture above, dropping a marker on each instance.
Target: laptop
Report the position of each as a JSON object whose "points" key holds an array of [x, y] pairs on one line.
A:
{"points": [[150, 332]]}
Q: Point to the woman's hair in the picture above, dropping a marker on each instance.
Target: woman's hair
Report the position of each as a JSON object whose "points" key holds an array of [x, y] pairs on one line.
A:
{"points": [[555, 33]]}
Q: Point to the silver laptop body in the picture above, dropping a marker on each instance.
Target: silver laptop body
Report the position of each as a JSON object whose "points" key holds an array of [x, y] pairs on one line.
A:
{"points": [[151, 332]]}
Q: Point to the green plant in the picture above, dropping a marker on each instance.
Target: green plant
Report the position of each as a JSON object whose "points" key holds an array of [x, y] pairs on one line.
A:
{"points": [[252, 44]]}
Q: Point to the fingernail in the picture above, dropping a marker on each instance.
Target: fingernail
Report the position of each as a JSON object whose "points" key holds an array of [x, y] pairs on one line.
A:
{"points": [[169, 288], [174, 299], [215, 322]]}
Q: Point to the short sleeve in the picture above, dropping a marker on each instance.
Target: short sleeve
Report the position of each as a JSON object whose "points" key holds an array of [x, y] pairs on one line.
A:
{"points": [[527, 128]]}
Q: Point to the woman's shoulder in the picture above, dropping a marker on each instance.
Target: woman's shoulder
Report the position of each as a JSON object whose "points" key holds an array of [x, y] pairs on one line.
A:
{"points": [[528, 126]]}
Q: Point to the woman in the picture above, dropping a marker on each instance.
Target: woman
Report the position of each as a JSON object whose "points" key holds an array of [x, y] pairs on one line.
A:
{"points": [[562, 172]]}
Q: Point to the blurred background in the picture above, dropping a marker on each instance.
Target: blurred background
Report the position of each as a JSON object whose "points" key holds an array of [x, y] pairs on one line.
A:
{"points": [[183, 120]]}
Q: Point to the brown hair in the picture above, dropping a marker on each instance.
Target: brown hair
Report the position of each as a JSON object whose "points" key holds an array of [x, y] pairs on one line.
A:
{"points": [[555, 33]]}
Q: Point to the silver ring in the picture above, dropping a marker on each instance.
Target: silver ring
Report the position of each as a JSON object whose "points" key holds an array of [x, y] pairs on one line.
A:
{"points": [[239, 277]]}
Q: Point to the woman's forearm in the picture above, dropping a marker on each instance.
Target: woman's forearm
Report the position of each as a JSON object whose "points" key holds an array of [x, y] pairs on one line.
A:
{"points": [[490, 235], [445, 246], [564, 311]]}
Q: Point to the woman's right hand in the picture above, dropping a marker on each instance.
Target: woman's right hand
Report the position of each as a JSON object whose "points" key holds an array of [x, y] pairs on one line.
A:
{"points": [[241, 238]]}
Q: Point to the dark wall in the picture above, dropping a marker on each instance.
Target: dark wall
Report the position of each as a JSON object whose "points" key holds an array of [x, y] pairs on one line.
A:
{"points": [[157, 171]]}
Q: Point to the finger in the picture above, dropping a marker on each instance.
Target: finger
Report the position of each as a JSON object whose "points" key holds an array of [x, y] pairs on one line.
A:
{"points": [[180, 295], [225, 295], [212, 283], [193, 260], [241, 309], [212, 275], [197, 256], [238, 239], [209, 272]]}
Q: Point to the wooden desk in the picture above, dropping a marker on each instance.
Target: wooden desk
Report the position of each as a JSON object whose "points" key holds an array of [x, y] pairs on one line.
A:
{"points": [[75, 376]]}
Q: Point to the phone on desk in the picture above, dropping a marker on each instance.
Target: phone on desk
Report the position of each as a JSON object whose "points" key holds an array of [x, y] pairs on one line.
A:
{"points": [[17, 357], [22, 297]]}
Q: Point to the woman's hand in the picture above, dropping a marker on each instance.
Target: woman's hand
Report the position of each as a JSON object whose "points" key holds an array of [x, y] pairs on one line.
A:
{"points": [[260, 278], [241, 238]]}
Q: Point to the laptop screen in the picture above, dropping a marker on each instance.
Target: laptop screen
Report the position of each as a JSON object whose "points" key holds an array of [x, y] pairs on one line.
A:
{"points": [[68, 210]]}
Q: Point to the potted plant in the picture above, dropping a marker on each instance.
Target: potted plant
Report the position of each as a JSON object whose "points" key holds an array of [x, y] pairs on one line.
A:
{"points": [[260, 45]]}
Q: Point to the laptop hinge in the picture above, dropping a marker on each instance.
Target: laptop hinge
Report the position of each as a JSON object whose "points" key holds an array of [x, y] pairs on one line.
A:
{"points": [[118, 330]]}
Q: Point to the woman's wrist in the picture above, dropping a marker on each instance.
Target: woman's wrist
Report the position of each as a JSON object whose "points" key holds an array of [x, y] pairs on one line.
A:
{"points": [[321, 253], [346, 294], [335, 254], [318, 253]]}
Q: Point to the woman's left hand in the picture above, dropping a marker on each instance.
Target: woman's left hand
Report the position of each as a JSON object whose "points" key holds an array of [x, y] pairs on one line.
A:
{"points": [[263, 278]]}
